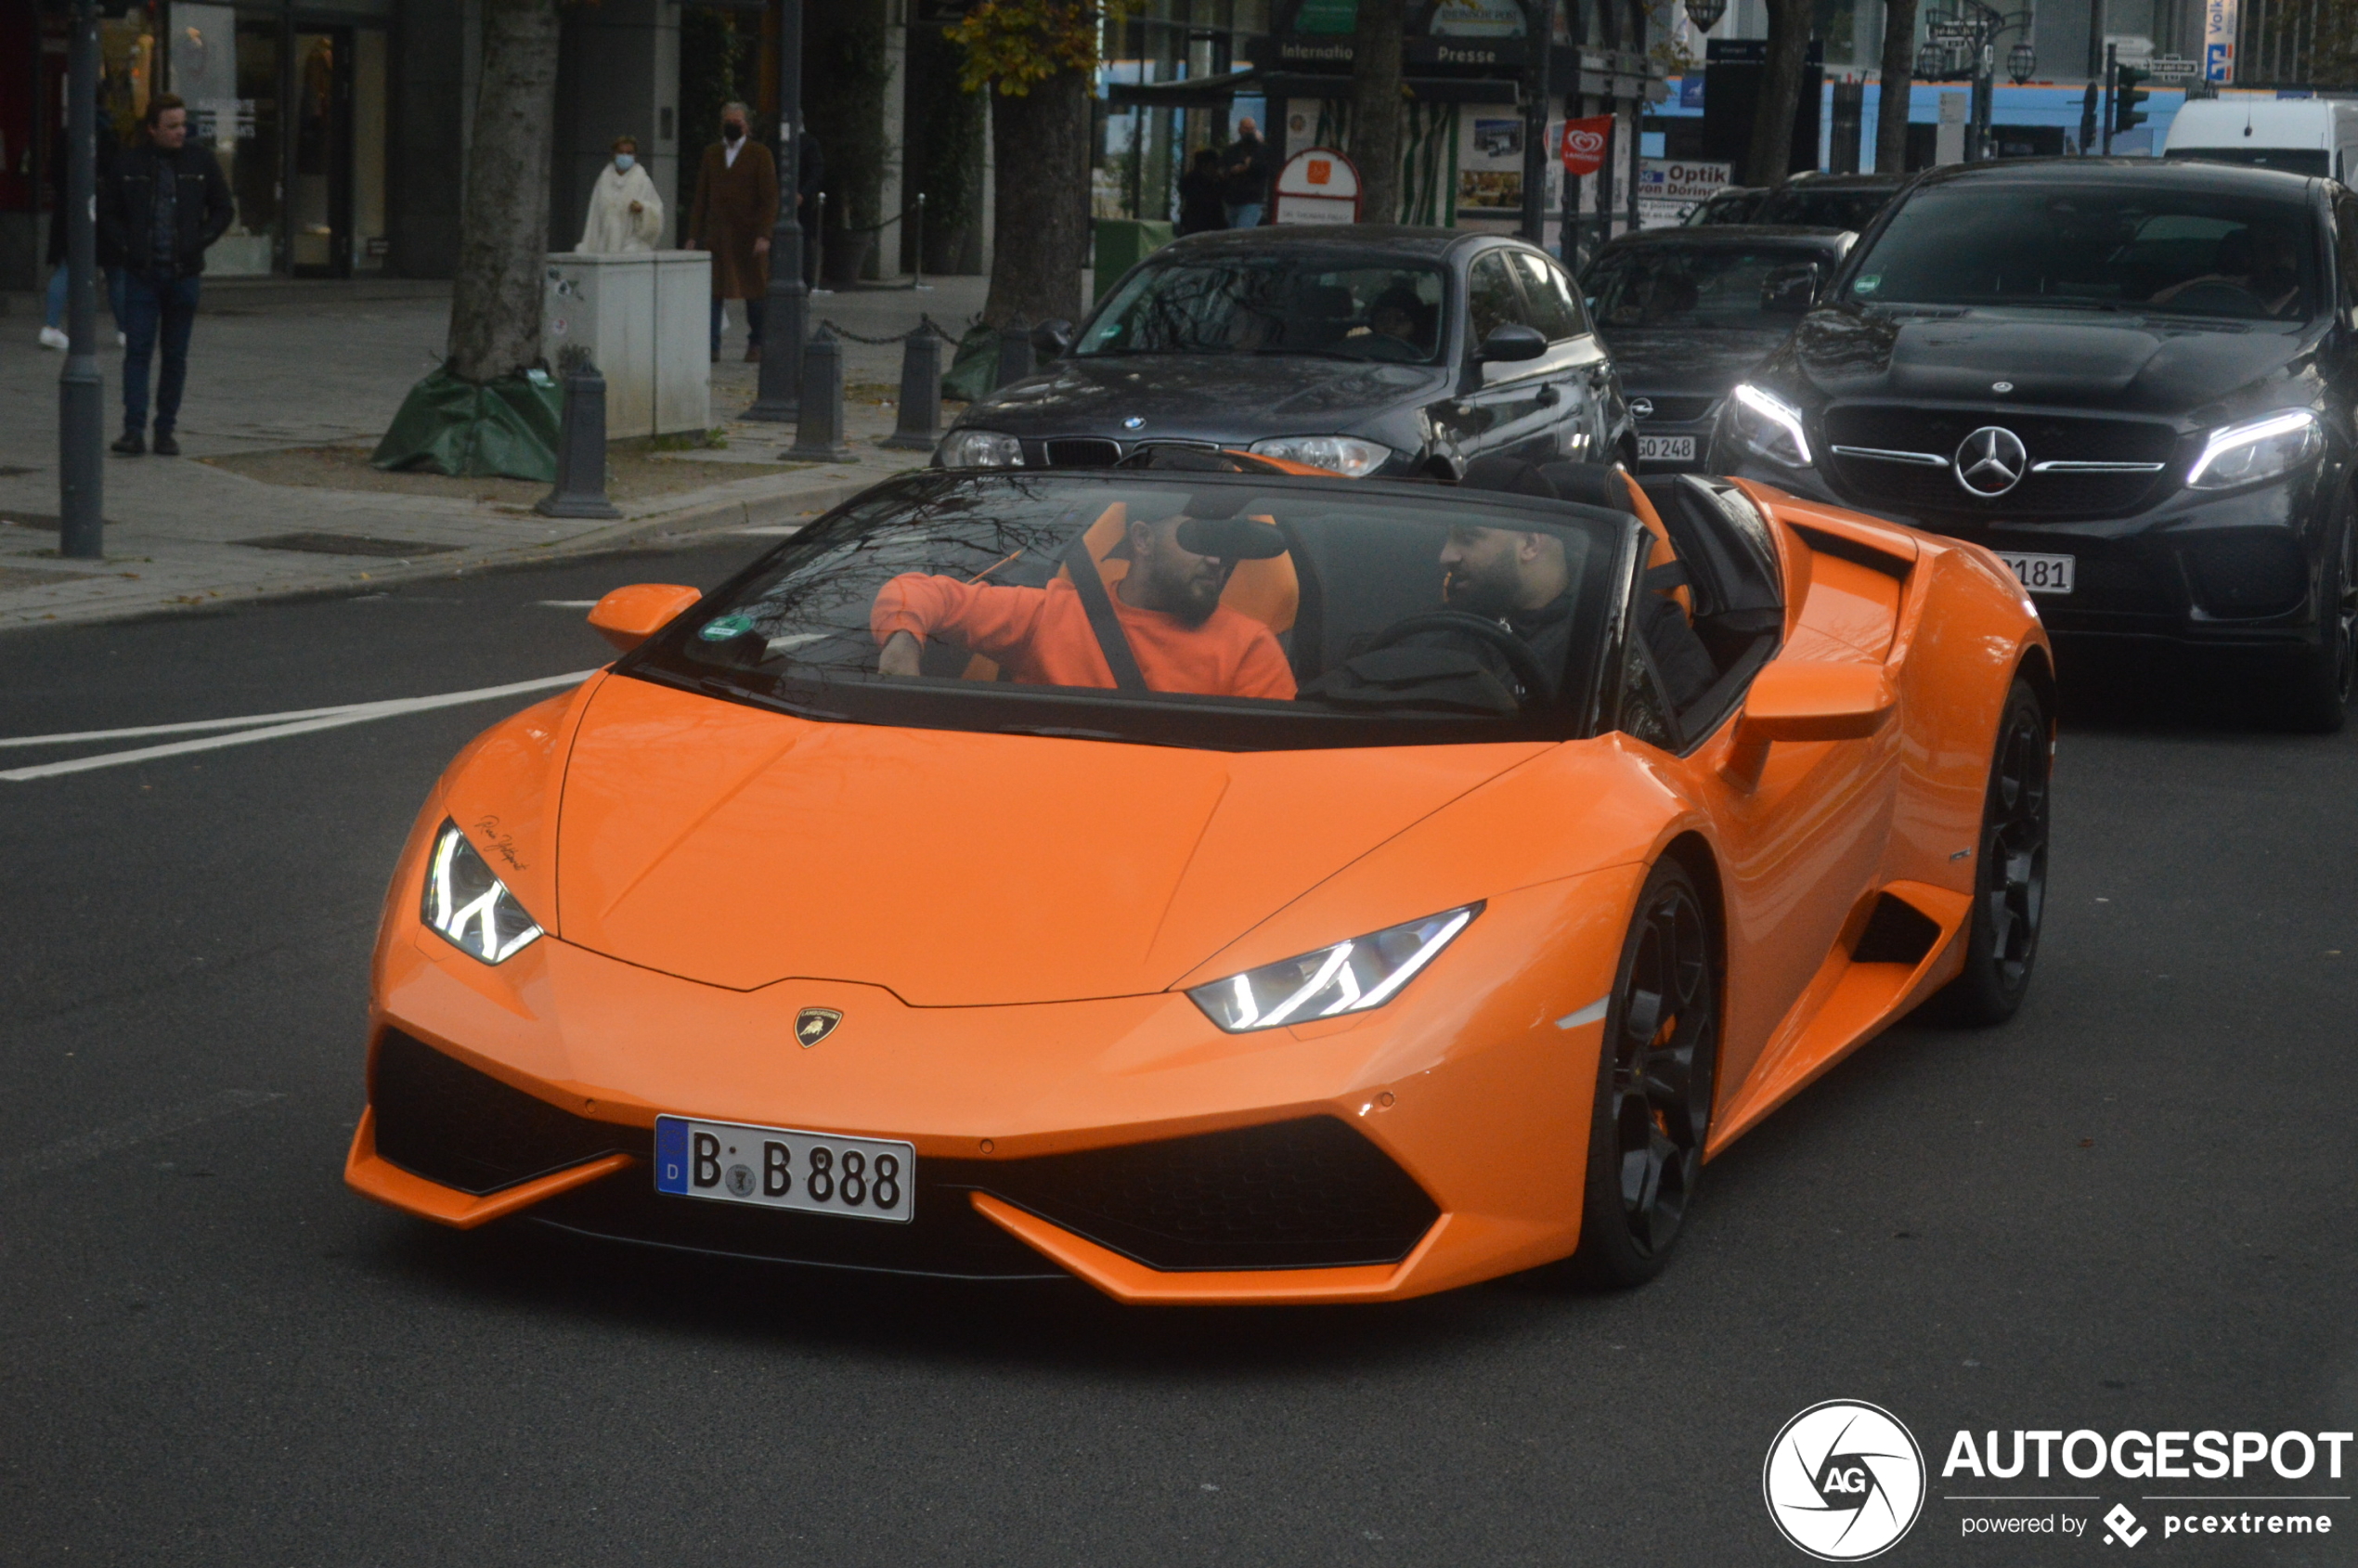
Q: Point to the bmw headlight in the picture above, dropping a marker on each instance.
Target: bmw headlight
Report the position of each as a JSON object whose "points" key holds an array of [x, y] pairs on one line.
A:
{"points": [[1347, 977], [1769, 425], [979, 448], [468, 906], [2238, 454], [1347, 455]]}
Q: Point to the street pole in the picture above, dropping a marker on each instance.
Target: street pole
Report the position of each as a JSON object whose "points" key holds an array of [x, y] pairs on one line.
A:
{"points": [[1535, 122], [789, 296], [81, 392]]}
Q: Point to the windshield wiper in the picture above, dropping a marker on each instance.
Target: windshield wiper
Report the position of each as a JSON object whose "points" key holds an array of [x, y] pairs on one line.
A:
{"points": [[1311, 354]]}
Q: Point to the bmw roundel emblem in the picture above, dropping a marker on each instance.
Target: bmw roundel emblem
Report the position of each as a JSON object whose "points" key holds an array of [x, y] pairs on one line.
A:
{"points": [[1135, 422]]}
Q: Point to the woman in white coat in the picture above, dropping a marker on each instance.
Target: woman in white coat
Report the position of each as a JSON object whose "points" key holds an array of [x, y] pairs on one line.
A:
{"points": [[625, 212]]}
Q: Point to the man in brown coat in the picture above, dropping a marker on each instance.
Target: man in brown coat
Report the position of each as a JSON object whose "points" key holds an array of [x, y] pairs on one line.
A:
{"points": [[735, 209]]}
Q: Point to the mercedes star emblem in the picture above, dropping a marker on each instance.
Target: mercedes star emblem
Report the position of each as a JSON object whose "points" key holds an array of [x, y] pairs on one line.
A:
{"points": [[1642, 408], [814, 1024], [1991, 461], [2001, 386], [1135, 422]]}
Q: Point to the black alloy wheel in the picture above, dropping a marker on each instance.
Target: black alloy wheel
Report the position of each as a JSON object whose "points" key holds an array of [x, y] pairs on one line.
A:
{"points": [[1655, 1071], [2319, 697], [2010, 884]]}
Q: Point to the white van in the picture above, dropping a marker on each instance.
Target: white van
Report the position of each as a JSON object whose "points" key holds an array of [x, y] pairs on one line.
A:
{"points": [[2301, 136]]}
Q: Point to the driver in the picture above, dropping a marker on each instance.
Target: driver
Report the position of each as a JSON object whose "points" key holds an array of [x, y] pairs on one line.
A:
{"points": [[1167, 606], [2264, 260], [1520, 579]]}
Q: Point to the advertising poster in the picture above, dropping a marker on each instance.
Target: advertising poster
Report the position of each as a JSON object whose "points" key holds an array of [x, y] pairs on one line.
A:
{"points": [[1669, 189]]}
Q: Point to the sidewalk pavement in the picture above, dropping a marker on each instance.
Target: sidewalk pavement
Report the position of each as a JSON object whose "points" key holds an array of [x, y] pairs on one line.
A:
{"points": [[278, 365]]}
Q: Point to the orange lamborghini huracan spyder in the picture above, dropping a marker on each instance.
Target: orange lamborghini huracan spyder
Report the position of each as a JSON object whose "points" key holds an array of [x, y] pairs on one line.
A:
{"points": [[1219, 882]]}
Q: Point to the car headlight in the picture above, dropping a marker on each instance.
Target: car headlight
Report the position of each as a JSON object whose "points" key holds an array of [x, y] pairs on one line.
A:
{"points": [[1769, 425], [979, 448], [468, 906], [1347, 977], [2263, 448], [1347, 455]]}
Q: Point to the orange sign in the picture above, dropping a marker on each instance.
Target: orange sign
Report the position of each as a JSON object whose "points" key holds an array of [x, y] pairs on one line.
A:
{"points": [[1321, 170]]}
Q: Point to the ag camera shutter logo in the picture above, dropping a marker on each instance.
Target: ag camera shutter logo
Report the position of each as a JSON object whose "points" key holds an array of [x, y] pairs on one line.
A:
{"points": [[1844, 1481]]}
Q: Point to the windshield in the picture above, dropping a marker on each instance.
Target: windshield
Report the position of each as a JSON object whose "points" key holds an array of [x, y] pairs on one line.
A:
{"points": [[1344, 307], [1824, 209], [1683, 286], [2100, 247], [1210, 609], [1729, 206], [2308, 160]]}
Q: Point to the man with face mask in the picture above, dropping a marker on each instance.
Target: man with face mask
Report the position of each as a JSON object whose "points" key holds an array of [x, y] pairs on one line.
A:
{"points": [[736, 207], [626, 212]]}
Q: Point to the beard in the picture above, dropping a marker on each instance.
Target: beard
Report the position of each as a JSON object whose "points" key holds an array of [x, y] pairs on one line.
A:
{"points": [[1482, 592], [1192, 602]]}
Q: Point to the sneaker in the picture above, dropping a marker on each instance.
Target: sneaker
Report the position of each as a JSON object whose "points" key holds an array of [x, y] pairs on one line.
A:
{"points": [[165, 445], [53, 337], [131, 446]]}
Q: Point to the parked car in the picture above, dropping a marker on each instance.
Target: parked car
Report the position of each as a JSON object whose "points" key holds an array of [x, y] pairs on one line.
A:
{"points": [[2300, 136], [1370, 351], [1848, 201], [1735, 204], [1686, 312], [2134, 378]]}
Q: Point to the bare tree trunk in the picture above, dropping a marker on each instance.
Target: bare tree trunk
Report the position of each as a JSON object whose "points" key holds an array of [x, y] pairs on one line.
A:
{"points": [[504, 231], [1780, 92], [1375, 109], [1898, 72], [1041, 208]]}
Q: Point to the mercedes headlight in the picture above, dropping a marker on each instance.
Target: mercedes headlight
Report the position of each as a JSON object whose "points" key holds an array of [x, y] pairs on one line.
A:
{"points": [[1347, 977], [979, 448], [1769, 425], [2238, 454], [1347, 455], [468, 906]]}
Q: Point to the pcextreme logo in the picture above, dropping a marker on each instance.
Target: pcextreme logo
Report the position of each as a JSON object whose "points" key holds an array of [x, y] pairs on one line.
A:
{"points": [[1844, 1481]]}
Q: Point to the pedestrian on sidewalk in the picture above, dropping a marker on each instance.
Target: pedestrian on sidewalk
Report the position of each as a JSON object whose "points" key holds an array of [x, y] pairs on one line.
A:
{"points": [[53, 328], [1200, 207], [626, 211], [1247, 165], [735, 209], [164, 205]]}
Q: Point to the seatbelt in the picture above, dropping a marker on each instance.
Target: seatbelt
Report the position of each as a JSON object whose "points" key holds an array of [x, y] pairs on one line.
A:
{"points": [[1082, 568]]}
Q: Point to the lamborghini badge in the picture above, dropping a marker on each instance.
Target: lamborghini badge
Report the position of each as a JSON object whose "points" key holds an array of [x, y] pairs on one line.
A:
{"points": [[814, 1024]]}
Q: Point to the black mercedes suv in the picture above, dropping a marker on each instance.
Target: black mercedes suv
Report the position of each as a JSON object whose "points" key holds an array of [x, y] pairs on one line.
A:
{"points": [[2134, 381]]}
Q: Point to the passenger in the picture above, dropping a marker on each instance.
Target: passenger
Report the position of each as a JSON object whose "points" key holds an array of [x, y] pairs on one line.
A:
{"points": [[1167, 607]]}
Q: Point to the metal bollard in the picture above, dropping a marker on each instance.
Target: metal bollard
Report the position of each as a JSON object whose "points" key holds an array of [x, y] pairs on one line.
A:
{"points": [[818, 432], [920, 424], [1015, 352], [581, 449]]}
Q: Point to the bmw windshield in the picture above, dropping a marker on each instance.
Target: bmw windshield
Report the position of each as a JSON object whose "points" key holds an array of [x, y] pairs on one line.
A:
{"points": [[1211, 610], [1342, 305], [2111, 247]]}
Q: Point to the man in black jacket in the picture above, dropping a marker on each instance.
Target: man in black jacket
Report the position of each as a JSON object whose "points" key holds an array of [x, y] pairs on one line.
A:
{"points": [[164, 203], [1246, 177]]}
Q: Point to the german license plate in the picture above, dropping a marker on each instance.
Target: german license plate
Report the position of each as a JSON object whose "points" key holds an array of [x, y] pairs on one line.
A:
{"points": [[2040, 574], [1666, 448], [779, 1168]]}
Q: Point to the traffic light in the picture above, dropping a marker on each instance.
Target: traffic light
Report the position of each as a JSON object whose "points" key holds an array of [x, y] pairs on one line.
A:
{"points": [[2127, 97]]}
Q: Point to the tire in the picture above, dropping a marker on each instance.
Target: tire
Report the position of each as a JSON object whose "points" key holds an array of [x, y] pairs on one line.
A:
{"points": [[1655, 1071], [2010, 878], [2318, 701]]}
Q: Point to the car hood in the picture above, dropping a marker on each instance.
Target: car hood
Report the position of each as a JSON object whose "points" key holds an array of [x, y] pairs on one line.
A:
{"points": [[739, 847], [1211, 396], [1702, 364]]}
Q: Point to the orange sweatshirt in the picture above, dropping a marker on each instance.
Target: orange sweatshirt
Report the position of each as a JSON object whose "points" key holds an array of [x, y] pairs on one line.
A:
{"points": [[1042, 636]]}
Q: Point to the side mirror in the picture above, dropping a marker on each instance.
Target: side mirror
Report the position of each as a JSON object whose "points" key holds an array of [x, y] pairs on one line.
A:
{"points": [[1511, 342], [1790, 290], [1806, 702], [1052, 340], [629, 616]]}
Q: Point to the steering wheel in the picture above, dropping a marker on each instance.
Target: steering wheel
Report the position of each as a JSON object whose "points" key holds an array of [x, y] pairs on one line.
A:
{"points": [[1521, 661], [2215, 297]]}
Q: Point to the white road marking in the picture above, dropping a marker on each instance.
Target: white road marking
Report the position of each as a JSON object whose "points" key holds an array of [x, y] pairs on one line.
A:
{"points": [[1593, 1013], [139, 1130], [567, 603], [302, 723], [771, 528]]}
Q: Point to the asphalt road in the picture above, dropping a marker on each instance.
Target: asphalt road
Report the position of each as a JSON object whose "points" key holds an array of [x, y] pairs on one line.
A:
{"points": [[2131, 1208]]}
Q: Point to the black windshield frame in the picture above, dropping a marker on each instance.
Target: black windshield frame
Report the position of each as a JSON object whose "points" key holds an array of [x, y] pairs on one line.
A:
{"points": [[1206, 723]]}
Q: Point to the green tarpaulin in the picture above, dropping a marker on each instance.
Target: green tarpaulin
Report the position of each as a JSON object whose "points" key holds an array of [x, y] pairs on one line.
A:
{"points": [[507, 427], [974, 366]]}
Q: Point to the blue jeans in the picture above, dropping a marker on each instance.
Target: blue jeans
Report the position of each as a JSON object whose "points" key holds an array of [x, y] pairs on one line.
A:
{"points": [[1244, 214], [111, 290], [153, 309], [755, 308]]}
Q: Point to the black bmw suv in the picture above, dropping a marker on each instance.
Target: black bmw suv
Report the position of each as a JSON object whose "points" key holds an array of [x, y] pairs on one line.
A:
{"points": [[2134, 381]]}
